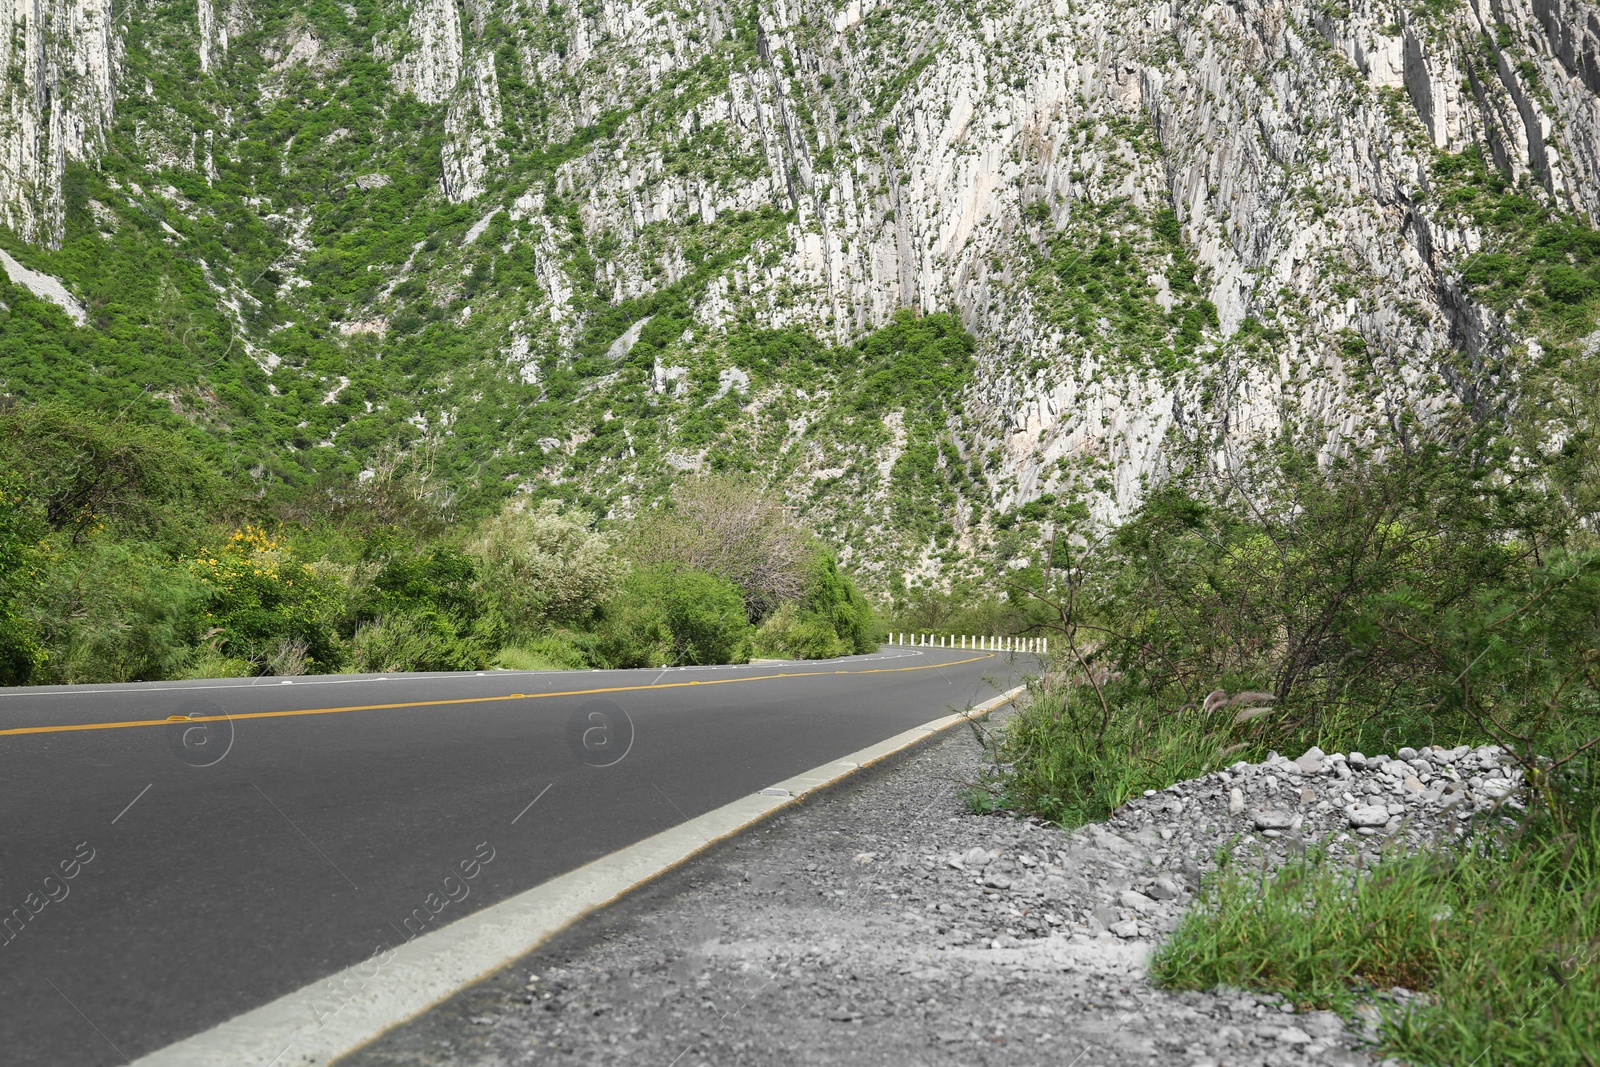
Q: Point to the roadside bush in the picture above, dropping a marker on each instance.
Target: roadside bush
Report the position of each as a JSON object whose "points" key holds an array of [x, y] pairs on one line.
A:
{"points": [[1372, 603], [548, 652], [705, 618], [414, 641], [540, 565], [261, 600], [632, 627], [671, 616], [409, 578], [1430, 595], [20, 651], [728, 526], [116, 612], [794, 633], [205, 663], [831, 619]]}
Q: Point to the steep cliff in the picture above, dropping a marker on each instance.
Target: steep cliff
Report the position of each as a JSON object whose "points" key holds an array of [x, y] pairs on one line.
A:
{"points": [[582, 248]]}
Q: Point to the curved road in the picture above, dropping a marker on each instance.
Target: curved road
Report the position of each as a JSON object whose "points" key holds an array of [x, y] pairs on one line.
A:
{"points": [[161, 874]]}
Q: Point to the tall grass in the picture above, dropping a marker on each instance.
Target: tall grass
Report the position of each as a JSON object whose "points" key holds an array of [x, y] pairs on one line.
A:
{"points": [[1500, 934], [1059, 758]]}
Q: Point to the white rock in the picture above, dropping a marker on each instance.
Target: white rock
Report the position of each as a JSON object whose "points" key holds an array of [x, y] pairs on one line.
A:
{"points": [[1369, 817]]}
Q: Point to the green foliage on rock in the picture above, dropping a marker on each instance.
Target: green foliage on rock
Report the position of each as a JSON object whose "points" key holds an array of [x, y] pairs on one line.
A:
{"points": [[1537, 262]]}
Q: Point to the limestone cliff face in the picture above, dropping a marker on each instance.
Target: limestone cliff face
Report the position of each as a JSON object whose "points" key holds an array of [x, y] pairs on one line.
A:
{"points": [[1293, 141], [1164, 221], [55, 103]]}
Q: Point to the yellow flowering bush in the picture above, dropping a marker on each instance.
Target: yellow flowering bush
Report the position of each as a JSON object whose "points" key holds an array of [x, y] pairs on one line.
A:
{"points": [[263, 599]]}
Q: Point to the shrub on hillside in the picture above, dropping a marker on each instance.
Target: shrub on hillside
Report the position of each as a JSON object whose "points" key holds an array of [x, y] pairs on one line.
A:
{"points": [[117, 612], [791, 632], [834, 598], [832, 618], [85, 471], [21, 653], [261, 598], [555, 651], [1374, 602], [415, 641]]}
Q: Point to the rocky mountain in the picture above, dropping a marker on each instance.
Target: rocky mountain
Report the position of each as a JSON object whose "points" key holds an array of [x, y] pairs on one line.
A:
{"points": [[580, 248]]}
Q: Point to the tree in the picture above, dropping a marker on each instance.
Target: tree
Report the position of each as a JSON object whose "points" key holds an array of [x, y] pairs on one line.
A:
{"points": [[726, 525]]}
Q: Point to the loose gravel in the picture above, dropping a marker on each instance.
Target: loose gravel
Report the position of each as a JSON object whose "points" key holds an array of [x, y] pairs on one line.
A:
{"points": [[883, 923]]}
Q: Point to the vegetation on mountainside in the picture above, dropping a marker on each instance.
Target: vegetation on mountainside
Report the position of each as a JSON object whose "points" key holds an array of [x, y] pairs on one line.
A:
{"points": [[1096, 287], [1539, 266], [1415, 595], [122, 559]]}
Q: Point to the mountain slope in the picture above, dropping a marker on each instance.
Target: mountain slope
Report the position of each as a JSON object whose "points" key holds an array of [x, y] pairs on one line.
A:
{"points": [[581, 249]]}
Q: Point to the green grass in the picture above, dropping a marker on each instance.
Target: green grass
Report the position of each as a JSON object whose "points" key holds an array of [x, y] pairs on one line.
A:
{"points": [[1499, 933], [548, 653], [1058, 763]]}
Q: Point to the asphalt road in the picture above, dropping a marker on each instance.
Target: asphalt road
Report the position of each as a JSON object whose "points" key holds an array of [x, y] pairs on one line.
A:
{"points": [[159, 877]]}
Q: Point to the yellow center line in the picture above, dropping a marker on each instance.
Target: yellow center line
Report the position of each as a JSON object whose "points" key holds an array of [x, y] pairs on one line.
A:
{"points": [[73, 727]]}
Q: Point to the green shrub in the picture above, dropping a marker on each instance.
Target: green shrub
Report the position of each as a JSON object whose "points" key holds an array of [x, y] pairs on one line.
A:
{"points": [[632, 628], [549, 652], [117, 612], [1366, 604], [540, 565], [262, 599], [728, 525], [794, 633], [20, 651], [208, 664], [834, 598], [705, 618], [914, 361], [1566, 285], [85, 471], [830, 619], [672, 616], [414, 641]]}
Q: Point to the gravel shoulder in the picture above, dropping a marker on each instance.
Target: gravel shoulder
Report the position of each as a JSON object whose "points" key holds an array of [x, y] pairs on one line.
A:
{"points": [[880, 922]]}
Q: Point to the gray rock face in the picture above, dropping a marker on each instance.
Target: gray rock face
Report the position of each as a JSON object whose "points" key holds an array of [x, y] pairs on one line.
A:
{"points": [[924, 158]]}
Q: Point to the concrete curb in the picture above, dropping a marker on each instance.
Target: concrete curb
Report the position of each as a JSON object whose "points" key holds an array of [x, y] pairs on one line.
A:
{"points": [[320, 1022]]}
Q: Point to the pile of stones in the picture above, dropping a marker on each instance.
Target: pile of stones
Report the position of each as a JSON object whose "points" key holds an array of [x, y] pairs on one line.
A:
{"points": [[1340, 798], [1130, 878]]}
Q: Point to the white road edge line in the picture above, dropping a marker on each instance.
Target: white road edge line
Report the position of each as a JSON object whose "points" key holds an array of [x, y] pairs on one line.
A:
{"points": [[318, 1023]]}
